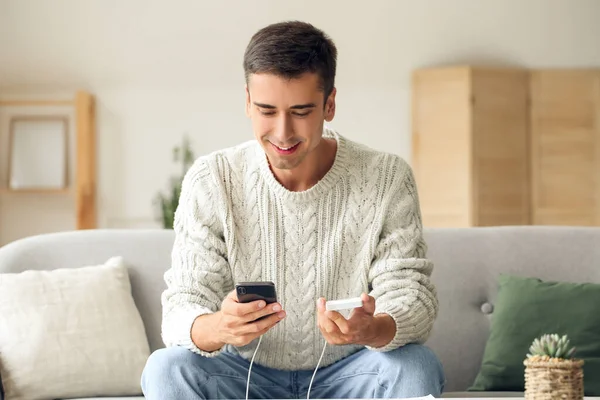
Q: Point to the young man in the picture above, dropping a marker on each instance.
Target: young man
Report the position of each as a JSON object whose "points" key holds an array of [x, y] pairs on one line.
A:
{"points": [[323, 218]]}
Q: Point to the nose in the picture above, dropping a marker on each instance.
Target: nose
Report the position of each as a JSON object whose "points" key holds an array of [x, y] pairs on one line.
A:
{"points": [[283, 129]]}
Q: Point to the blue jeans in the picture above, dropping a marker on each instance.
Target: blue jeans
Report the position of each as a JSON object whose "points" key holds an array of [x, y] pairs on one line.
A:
{"points": [[177, 373]]}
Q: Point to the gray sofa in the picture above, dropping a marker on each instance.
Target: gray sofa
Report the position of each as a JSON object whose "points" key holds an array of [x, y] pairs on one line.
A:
{"points": [[467, 263]]}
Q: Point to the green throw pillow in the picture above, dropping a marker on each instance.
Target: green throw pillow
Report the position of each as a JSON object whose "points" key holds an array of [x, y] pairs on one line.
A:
{"points": [[527, 308]]}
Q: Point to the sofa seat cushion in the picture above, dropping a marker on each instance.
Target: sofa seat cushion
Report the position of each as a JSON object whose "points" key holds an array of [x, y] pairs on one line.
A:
{"points": [[109, 398], [482, 395]]}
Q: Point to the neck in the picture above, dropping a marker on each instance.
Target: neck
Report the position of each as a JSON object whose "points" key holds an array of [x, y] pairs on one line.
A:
{"points": [[312, 169]]}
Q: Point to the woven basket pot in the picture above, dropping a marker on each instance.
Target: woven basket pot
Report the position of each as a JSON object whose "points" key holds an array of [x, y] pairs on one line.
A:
{"points": [[553, 379]]}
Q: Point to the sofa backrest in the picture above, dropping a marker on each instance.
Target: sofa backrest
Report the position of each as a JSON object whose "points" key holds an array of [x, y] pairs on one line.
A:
{"points": [[467, 263]]}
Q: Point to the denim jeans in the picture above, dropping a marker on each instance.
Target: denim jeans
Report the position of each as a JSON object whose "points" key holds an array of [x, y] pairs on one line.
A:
{"points": [[177, 373]]}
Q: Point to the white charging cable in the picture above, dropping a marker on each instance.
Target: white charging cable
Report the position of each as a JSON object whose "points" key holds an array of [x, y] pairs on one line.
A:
{"points": [[314, 373], [311, 379], [250, 369]]}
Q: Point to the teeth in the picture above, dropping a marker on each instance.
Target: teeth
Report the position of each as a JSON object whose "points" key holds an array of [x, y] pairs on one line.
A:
{"points": [[285, 149]]}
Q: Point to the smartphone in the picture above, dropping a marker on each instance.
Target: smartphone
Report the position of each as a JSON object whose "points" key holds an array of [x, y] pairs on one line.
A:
{"points": [[252, 291]]}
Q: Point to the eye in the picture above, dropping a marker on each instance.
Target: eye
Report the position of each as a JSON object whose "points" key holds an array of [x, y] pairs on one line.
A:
{"points": [[267, 112], [301, 114]]}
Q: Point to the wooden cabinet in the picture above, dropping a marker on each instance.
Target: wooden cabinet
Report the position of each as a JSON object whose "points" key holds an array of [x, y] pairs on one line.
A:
{"points": [[470, 146], [565, 147], [503, 146]]}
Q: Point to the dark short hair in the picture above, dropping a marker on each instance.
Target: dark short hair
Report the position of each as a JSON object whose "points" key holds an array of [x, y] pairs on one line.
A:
{"points": [[290, 49]]}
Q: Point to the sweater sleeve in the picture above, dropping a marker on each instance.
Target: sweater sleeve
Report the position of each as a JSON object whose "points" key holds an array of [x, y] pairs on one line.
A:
{"points": [[199, 277], [400, 272]]}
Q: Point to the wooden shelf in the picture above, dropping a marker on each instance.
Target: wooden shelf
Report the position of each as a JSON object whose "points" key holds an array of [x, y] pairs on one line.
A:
{"points": [[35, 191], [83, 188], [35, 103]]}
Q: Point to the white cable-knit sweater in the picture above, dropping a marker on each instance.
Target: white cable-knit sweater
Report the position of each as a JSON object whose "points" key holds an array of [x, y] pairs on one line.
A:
{"points": [[357, 230]]}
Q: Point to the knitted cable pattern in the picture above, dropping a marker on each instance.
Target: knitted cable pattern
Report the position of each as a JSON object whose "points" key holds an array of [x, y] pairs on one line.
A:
{"points": [[357, 230]]}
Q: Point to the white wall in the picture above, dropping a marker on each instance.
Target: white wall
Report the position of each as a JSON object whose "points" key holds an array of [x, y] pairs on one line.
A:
{"points": [[162, 69]]}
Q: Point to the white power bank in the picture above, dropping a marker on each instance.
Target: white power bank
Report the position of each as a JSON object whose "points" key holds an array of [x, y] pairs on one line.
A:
{"points": [[343, 304]]}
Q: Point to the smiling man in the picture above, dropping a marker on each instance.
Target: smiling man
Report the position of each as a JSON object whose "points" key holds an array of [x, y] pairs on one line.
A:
{"points": [[322, 217], [287, 117]]}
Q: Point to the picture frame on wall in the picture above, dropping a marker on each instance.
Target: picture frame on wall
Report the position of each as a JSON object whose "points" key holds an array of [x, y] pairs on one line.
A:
{"points": [[38, 153]]}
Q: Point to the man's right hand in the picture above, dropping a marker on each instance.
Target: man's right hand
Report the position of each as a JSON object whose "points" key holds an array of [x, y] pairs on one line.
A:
{"points": [[235, 324]]}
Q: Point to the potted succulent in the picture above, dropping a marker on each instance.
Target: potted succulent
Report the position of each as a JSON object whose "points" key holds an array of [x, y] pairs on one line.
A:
{"points": [[167, 202], [551, 371]]}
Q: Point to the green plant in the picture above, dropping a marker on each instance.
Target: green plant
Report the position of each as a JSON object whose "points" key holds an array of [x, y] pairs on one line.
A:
{"points": [[168, 202], [551, 346]]}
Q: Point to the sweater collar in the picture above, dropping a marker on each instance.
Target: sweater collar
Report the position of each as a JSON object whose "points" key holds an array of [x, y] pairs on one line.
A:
{"points": [[323, 186]]}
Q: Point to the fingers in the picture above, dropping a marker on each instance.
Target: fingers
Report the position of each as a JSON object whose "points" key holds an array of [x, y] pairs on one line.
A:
{"points": [[232, 307], [339, 330], [339, 321], [332, 321], [328, 319], [243, 340], [270, 309], [247, 311], [257, 328], [241, 323], [329, 326], [325, 323]]}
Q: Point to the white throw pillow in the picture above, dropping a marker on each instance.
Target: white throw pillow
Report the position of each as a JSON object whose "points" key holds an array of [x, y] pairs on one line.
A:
{"points": [[72, 332]]}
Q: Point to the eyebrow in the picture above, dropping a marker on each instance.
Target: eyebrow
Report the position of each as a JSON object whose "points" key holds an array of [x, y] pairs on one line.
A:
{"points": [[296, 107]]}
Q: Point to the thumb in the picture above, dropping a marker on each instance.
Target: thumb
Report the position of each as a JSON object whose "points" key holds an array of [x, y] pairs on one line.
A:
{"points": [[321, 304], [232, 295], [230, 301], [368, 303]]}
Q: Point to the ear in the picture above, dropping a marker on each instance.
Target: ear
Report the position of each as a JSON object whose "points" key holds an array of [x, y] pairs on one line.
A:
{"points": [[330, 106], [248, 103]]}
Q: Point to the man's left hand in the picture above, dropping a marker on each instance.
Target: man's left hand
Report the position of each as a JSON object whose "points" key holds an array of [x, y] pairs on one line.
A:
{"points": [[360, 328]]}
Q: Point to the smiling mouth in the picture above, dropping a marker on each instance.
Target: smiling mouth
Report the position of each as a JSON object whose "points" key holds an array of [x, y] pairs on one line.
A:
{"points": [[286, 150]]}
